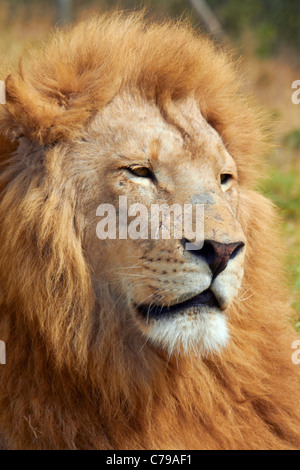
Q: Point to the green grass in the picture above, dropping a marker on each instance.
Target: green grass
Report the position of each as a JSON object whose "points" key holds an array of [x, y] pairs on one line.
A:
{"points": [[283, 187], [292, 139]]}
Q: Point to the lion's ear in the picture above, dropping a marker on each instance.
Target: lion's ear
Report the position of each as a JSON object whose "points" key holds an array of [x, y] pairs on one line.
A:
{"points": [[42, 111], [26, 113]]}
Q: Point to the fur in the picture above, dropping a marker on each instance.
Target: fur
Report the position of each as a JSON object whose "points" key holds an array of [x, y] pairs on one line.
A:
{"points": [[76, 377]]}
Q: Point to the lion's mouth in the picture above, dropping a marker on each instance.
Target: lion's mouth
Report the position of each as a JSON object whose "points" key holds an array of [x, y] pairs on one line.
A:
{"points": [[205, 299]]}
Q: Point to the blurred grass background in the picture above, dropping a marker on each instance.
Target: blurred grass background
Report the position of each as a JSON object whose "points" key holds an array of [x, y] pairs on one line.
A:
{"points": [[265, 33]]}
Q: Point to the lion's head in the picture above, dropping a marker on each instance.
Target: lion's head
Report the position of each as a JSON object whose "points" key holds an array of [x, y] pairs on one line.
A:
{"points": [[154, 125], [177, 296]]}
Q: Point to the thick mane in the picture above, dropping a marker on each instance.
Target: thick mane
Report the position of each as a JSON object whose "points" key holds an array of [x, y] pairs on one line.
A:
{"points": [[75, 377], [58, 89]]}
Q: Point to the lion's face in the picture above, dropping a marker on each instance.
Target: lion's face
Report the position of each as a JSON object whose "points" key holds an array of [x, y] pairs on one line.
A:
{"points": [[178, 297]]}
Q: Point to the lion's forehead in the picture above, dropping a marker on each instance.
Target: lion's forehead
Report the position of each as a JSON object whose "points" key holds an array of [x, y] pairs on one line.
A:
{"points": [[132, 124]]}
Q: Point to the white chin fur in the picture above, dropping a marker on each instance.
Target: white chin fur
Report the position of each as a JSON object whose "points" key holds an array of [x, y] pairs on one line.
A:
{"points": [[201, 333]]}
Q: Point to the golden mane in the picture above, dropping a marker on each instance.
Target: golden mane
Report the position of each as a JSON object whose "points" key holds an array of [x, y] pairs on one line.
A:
{"points": [[59, 89], [73, 382]]}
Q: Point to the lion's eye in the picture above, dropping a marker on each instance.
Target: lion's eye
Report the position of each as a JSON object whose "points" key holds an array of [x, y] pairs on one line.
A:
{"points": [[225, 178], [142, 172]]}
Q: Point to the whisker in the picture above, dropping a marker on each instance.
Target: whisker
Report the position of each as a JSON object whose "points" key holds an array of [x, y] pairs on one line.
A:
{"points": [[247, 298]]}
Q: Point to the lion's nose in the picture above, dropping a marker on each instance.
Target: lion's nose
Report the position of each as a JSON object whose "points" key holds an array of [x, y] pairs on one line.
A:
{"points": [[218, 254]]}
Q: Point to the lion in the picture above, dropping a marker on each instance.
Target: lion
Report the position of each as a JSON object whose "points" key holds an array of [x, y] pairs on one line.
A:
{"points": [[139, 343]]}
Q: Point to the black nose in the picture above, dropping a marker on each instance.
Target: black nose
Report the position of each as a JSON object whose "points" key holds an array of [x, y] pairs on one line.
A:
{"points": [[217, 254]]}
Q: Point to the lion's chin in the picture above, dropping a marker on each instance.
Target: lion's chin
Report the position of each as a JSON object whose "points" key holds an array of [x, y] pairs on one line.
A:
{"points": [[199, 331]]}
